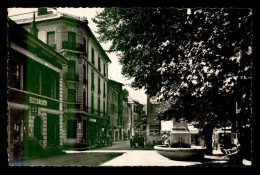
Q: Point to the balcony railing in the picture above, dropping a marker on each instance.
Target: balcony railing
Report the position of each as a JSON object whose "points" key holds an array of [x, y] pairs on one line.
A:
{"points": [[73, 46]]}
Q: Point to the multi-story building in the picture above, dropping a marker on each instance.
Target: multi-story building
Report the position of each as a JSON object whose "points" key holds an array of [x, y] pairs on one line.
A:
{"points": [[126, 115], [113, 112], [135, 116], [85, 93], [35, 83], [121, 97]]}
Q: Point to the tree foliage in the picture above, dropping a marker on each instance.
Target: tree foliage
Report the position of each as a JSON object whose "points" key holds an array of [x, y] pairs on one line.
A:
{"points": [[198, 61]]}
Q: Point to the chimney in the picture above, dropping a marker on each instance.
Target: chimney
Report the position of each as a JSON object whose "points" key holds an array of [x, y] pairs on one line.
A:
{"points": [[33, 29]]}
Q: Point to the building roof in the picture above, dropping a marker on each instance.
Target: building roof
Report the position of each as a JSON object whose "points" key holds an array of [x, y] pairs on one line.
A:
{"points": [[78, 20], [30, 39]]}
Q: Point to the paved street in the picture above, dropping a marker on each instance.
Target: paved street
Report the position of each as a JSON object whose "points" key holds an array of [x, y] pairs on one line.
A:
{"points": [[119, 155], [139, 157]]}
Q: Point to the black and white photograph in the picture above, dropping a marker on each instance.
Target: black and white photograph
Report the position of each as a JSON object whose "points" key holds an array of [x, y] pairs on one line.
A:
{"points": [[129, 87]]}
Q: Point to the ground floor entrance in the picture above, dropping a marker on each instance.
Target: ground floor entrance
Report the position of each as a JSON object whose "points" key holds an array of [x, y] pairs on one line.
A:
{"points": [[16, 134], [53, 130], [92, 131]]}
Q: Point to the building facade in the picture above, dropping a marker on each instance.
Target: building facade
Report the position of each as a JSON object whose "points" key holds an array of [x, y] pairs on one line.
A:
{"points": [[35, 84], [136, 113], [126, 115], [113, 112], [85, 92]]}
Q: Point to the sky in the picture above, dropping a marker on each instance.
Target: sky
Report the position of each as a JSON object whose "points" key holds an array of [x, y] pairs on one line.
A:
{"points": [[114, 69]]}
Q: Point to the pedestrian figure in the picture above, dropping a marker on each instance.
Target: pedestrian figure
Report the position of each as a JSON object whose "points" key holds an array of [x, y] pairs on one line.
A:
{"points": [[136, 141], [164, 138], [142, 141], [131, 141], [139, 140], [167, 141]]}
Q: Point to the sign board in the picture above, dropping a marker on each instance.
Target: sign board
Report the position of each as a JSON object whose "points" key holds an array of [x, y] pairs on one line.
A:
{"points": [[92, 120], [153, 100], [37, 101], [154, 129], [194, 131]]}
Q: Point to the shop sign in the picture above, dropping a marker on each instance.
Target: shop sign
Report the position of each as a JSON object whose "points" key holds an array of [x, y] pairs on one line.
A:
{"points": [[37, 101], [194, 131], [92, 120]]}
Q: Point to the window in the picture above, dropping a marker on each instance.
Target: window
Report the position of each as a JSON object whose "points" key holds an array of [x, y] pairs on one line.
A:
{"points": [[104, 108], [99, 90], [36, 82], [71, 128], [51, 39], [104, 90], [99, 68], [71, 74], [92, 103], [92, 56], [16, 79], [92, 81], [72, 39], [105, 70], [98, 105], [52, 87], [72, 95]]}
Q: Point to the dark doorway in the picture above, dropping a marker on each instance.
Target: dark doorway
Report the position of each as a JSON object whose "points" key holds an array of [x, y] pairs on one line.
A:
{"points": [[92, 132], [53, 130]]}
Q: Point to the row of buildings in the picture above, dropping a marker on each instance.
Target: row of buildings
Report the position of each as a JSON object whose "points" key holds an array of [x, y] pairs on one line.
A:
{"points": [[58, 86]]}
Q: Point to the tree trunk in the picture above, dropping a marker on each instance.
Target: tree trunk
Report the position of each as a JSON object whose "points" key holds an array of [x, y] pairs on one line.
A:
{"points": [[208, 131]]}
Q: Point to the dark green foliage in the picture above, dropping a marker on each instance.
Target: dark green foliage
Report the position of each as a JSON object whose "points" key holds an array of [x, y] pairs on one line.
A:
{"points": [[33, 148], [199, 64]]}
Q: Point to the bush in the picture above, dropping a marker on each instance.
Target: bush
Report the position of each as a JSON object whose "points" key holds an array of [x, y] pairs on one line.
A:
{"points": [[33, 148]]}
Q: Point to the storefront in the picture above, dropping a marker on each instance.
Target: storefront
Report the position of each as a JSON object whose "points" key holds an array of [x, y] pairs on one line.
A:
{"points": [[222, 138], [35, 77], [92, 131]]}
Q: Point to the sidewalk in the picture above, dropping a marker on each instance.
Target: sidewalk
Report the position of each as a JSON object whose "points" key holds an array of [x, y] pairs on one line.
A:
{"points": [[145, 157]]}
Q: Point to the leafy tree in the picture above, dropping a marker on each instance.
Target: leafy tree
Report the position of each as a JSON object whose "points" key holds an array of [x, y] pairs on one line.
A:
{"points": [[198, 61]]}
